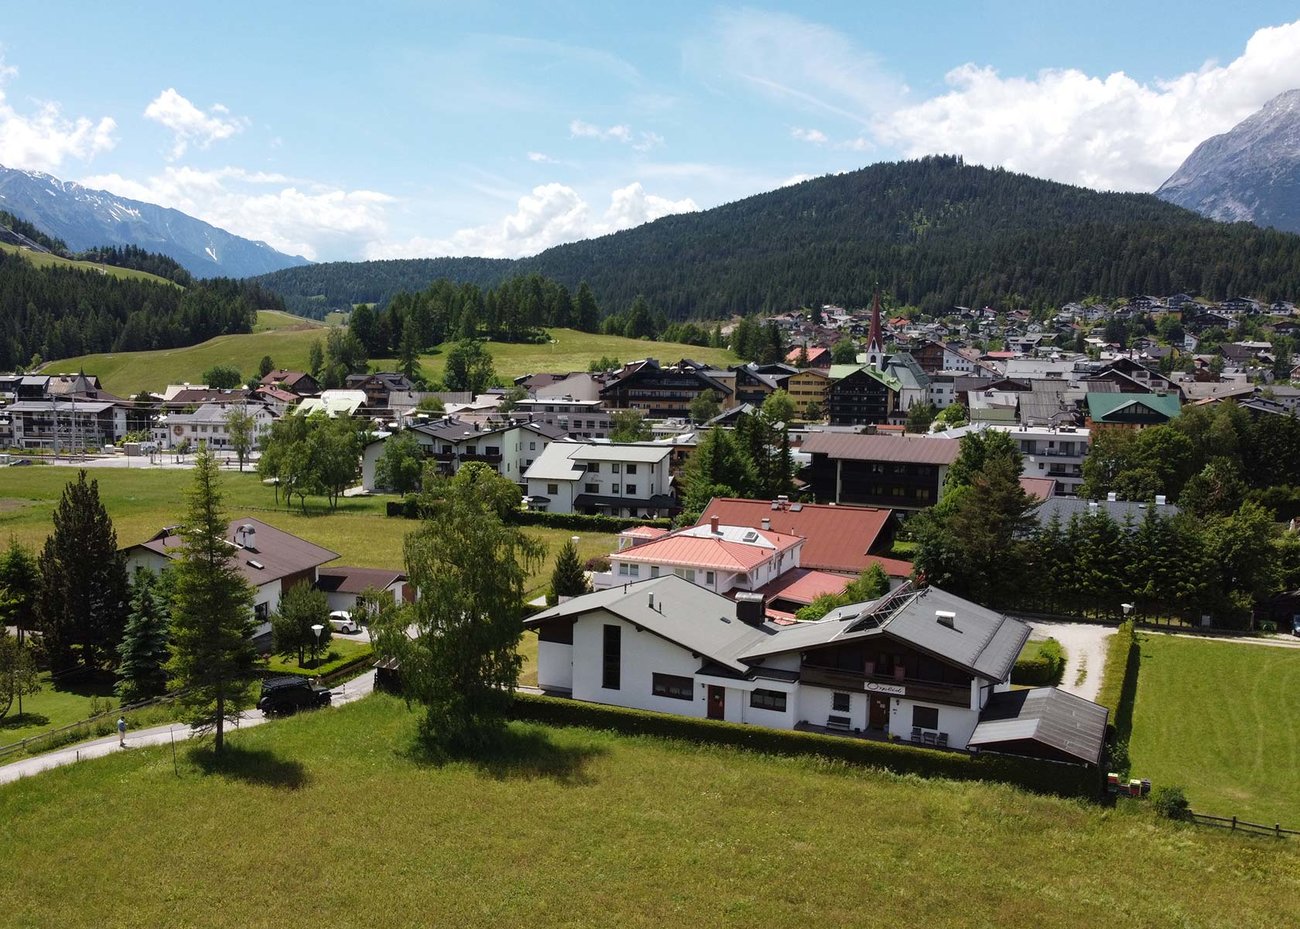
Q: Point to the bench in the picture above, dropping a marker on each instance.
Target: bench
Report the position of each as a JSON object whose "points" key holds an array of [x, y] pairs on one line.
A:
{"points": [[841, 723]]}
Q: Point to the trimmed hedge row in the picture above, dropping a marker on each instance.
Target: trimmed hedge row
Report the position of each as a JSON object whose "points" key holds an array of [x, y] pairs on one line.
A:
{"points": [[1042, 670], [409, 508], [1119, 679], [330, 669], [1032, 774]]}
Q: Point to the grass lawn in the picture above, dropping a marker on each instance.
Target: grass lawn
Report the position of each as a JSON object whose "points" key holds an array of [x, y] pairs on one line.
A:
{"points": [[336, 653], [127, 373], [1219, 718], [44, 260], [56, 706], [574, 827]]}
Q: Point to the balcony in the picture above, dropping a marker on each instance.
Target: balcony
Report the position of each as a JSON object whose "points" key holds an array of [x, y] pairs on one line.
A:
{"points": [[492, 458], [929, 691]]}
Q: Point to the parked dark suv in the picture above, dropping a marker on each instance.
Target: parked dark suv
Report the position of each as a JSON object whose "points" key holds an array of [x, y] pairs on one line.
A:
{"points": [[290, 694]]}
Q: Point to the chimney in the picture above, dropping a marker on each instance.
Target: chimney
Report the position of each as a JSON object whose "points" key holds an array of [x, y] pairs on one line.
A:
{"points": [[767, 523], [713, 525], [1112, 497], [946, 618], [751, 608], [651, 603], [1160, 499], [249, 535]]}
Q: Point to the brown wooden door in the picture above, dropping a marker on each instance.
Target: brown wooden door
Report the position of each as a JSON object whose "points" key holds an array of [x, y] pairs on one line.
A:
{"points": [[717, 702], [879, 712]]}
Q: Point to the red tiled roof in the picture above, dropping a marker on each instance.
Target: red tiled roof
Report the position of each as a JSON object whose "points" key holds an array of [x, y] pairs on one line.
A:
{"points": [[1040, 488], [838, 538], [709, 553], [644, 532], [909, 449], [803, 585]]}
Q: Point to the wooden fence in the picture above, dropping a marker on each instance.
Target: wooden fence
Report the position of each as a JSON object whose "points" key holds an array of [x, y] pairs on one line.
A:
{"points": [[1234, 824]]}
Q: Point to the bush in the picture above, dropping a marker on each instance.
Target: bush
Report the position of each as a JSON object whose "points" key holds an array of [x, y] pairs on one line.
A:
{"points": [[1171, 803], [583, 521], [599, 564], [1030, 773], [1119, 678], [1043, 669], [327, 668], [1117, 758]]}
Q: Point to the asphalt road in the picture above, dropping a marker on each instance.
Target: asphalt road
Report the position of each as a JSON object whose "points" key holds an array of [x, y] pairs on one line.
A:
{"points": [[354, 689]]}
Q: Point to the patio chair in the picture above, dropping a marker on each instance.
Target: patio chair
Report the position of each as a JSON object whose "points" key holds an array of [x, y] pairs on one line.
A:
{"points": [[916, 733], [942, 741], [928, 738]]}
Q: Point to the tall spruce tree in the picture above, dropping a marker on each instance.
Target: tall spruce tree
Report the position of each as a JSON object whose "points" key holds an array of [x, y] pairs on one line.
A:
{"points": [[82, 605], [143, 652], [20, 582], [212, 607]]}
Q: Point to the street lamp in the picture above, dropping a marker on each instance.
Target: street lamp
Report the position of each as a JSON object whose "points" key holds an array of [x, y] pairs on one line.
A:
{"points": [[316, 628], [1127, 608]]}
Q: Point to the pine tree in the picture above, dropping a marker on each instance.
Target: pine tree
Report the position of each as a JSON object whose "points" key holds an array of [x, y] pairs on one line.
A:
{"points": [[568, 578], [212, 648], [82, 605], [302, 606], [143, 652], [20, 582]]}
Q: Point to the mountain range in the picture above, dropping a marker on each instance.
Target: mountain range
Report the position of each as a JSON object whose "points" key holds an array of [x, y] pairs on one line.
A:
{"points": [[86, 218], [1250, 173], [933, 233]]}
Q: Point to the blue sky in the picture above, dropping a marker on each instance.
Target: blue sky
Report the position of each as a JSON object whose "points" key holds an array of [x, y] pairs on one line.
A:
{"points": [[397, 129]]}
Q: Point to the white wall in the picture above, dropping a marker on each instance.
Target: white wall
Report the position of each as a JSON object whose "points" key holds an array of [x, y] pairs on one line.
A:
{"points": [[643, 655], [555, 665], [958, 722]]}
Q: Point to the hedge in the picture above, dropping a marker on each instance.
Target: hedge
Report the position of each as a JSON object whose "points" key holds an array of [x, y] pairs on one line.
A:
{"points": [[1043, 669], [409, 508], [329, 669], [1032, 774], [1119, 679]]}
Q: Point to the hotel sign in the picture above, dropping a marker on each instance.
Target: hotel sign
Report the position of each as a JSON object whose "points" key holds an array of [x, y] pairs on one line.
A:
{"points": [[892, 689]]}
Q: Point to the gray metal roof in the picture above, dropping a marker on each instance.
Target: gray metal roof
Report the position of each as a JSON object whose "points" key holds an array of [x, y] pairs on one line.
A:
{"points": [[694, 618], [981, 640], [1064, 722], [1118, 510]]}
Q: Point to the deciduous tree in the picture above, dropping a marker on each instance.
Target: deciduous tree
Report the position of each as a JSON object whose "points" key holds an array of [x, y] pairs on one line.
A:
{"points": [[302, 606]]}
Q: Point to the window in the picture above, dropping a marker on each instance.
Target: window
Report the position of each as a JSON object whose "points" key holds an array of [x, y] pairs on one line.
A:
{"points": [[615, 490], [609, 677], [839, 702], [670, 685], [262, 612], [654, 570], [593, 467], [591, 488], [615, 467], [532, 446], [925, 717], [687, 574], [631, 469], [634, 570], [708, 578], [630, 489], [767, 700], [552, 488]]}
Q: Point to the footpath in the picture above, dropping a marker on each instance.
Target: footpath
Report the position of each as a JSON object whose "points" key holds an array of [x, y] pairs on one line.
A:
{"points": [[353, 690]]}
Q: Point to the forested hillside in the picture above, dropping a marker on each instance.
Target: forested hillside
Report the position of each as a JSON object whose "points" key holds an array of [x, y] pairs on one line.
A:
{"points": [[56, 312], [934, 233]]}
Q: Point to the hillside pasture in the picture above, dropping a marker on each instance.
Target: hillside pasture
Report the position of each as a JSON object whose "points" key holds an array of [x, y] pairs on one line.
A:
{"points": [[46, 260]]}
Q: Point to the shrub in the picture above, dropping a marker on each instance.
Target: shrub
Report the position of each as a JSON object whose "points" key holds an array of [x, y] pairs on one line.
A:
{"points": [[1030, 773], [1171, 803], [599, 564], [1119, 678], [1118, 760], [1043, 669]]}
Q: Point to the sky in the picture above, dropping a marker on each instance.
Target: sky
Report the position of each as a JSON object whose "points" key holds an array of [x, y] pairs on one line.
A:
{"points": [[342, 131]]}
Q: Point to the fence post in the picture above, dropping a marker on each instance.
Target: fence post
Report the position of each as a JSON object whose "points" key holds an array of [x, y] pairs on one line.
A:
{"points": [[1277, 830], [1234, 824]]}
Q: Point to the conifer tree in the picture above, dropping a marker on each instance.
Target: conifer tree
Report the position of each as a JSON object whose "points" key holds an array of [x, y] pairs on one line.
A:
{"points": [[82, 605], [568, 578], [143, 653], [212, 648]]}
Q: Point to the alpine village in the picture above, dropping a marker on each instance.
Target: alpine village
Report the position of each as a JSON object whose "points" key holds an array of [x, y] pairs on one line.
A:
{"points": [[914, 545]]}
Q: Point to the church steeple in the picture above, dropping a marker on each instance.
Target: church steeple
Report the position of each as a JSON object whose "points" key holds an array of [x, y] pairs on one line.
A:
{"points": [[875, 341]]}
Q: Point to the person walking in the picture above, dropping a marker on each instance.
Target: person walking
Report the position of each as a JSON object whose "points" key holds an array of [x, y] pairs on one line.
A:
{"points": [[121, 731]]}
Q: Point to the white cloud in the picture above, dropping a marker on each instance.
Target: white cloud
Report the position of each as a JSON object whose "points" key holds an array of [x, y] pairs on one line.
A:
{"points": [[189, 124], [796, 179], [293, 216], [541, 158], [642, 141], [43, 140], [815, 136], [1108, 132], [550, 215]]}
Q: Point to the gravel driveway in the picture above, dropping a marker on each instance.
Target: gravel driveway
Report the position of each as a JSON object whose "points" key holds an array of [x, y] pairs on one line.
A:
{"points": [[1085, 648]]}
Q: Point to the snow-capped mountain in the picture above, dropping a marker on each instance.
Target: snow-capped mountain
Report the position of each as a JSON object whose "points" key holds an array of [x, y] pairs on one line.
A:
{"points": [[85, 218], [1250, 173]]}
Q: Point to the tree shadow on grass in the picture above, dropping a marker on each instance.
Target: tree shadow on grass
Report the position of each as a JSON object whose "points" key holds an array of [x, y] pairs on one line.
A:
{"points": [[252, 766], [23, 720], [519, 754]]}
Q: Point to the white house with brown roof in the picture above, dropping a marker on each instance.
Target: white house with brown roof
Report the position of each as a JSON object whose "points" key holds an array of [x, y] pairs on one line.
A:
{"points": [[614, 478], [270, 559]]}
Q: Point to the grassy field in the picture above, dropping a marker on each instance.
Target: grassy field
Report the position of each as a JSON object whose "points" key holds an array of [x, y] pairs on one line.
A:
{"points": [[141, 502], [287, 339], [44, 260], [573, 827], [56, 705], [1219, 718]]}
